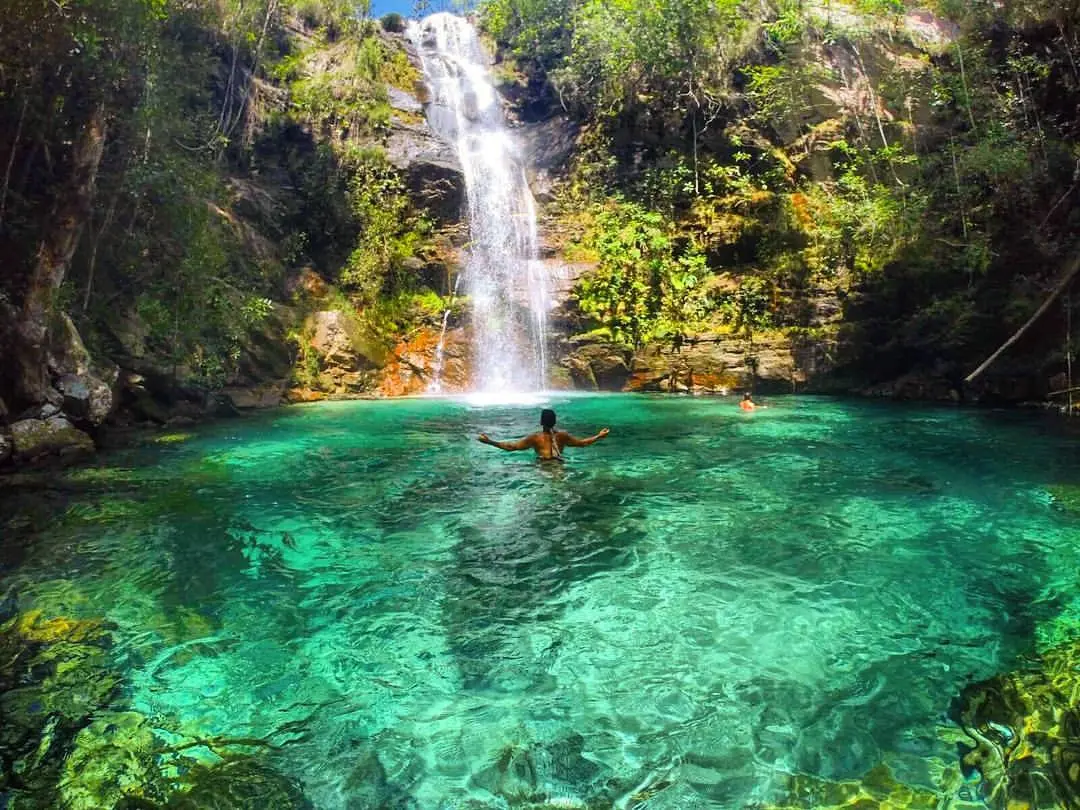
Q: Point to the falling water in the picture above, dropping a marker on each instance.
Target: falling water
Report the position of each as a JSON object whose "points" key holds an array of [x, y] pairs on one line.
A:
{"points": [[502, 277]]}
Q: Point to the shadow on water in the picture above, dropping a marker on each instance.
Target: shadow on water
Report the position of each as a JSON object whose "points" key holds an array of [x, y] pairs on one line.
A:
{"points": [[510, 568]]}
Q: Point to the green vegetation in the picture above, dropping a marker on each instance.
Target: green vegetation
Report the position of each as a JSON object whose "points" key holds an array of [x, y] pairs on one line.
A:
{"points": [[181, 162], [916, 166]]}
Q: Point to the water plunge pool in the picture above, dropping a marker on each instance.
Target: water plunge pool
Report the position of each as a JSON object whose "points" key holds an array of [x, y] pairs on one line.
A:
{"points": [[700, 611]]}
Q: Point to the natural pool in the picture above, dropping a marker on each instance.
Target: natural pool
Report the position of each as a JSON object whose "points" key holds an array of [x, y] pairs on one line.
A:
{"points": [[710, 609]]}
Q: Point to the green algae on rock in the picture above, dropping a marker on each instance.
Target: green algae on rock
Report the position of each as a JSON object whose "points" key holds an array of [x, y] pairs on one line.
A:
{"points": [[1066, 497], [54, 675], [114, 758], [1022, 732], [878, 789]]}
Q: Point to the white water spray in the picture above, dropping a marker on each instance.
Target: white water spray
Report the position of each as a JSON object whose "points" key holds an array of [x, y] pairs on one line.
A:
{"points": [[502, 277]]}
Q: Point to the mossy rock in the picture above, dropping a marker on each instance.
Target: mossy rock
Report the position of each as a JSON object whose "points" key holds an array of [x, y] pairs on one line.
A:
{"points": [[242, 783], [172, 438]]}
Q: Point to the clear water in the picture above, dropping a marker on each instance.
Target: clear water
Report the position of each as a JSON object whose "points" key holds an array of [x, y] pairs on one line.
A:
{"points": [[705, 602], [504, 280]]}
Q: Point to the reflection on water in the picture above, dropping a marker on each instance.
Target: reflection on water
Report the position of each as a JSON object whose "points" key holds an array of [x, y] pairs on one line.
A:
{"points": [[709, 609]]}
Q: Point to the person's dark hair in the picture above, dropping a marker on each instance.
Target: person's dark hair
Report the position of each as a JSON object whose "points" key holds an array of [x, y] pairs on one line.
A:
{"points": [[746, 395], [547, 419]]}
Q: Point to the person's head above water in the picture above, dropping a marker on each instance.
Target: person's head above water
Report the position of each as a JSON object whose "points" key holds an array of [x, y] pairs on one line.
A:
{"points": [[547, 419], [746, 395]]}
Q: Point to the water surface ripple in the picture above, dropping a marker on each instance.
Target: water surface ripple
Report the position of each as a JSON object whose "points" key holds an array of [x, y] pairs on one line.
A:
{"points": [[706, 601]]}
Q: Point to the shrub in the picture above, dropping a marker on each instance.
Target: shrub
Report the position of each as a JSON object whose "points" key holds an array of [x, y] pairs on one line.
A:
{"points": [[393, 22]]}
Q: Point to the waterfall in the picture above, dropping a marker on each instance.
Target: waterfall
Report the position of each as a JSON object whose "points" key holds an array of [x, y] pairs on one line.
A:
{"points": [[502, 277]]}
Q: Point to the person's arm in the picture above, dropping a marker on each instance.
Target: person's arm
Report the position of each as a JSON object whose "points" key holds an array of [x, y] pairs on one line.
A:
{"points": [[566, 440], [520, 444]]}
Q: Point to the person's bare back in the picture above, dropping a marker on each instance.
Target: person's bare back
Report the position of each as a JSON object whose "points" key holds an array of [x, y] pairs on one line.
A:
{"points": [[548, 443]]}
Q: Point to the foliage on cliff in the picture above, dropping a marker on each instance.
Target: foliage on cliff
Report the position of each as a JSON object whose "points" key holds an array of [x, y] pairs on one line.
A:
{"points": [[235, 142], [916, 163]]}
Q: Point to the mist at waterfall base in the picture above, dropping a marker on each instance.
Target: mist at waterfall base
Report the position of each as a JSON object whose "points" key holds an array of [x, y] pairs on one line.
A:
{"points": [[697, 607], [502, 277]]}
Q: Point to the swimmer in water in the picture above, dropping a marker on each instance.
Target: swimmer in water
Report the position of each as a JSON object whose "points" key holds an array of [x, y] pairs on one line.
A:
{"points": [[548, 443], [747, 403]]}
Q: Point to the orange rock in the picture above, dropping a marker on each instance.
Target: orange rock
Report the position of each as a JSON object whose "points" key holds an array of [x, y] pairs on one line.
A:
{"points": [[304, 395]]}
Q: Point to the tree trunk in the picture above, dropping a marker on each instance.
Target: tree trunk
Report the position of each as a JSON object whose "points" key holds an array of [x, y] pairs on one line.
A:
{"points": [[70, 212], [11, 156], [1062, 285]]}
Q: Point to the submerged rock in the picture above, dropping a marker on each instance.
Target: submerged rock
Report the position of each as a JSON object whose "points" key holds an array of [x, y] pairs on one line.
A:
{"points": [[55, 673], [113, 759], [242, 783], [1065, 496], [1021, 732], [544, 775], [877, 790], [512, 776]]}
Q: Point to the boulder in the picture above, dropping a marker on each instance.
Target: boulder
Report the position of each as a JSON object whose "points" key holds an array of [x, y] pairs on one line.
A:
{"points": [[6, 447], [86, 397], [33, 438]]}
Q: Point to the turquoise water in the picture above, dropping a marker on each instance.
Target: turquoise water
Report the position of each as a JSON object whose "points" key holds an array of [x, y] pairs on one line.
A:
{"points": [[693, 609]]}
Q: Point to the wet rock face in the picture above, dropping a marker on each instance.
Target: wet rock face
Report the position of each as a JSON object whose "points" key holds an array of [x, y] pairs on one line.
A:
{"points": [[699, 363], [269, 395], [414, 364], [549, 144], [599, 366], [431, 167]]}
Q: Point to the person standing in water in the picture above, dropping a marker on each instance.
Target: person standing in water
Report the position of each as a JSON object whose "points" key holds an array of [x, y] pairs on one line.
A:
{"points": [[548, 443], [747, 403]]}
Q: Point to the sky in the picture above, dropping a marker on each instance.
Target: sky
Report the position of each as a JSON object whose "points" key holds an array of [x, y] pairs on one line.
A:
{"points": [[405, 7]]}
